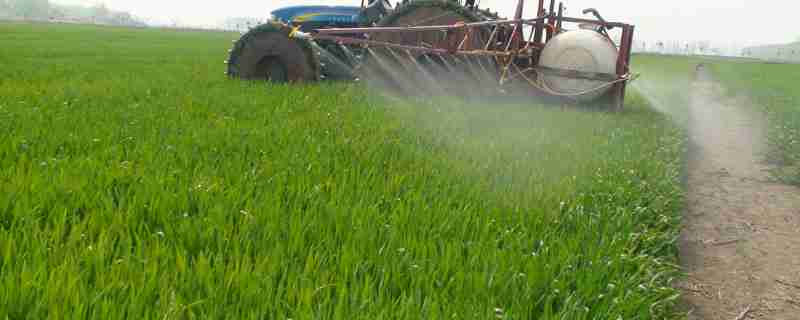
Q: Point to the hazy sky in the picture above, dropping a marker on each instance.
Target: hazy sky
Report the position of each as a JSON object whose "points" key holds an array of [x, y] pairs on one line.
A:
{"points": [[723, 21]]}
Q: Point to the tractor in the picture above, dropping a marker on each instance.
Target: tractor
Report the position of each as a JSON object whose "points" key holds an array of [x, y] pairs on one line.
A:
{"points": [[576, 59]]}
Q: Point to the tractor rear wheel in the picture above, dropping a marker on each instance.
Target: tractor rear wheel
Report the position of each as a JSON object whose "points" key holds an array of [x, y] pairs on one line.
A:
{"points": [[267, 52], [433, 13], [455, 74]]}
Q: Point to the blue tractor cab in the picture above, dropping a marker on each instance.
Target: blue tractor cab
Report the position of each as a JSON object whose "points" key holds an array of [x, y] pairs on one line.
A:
{"points": [[310, 17], [318, 17]]}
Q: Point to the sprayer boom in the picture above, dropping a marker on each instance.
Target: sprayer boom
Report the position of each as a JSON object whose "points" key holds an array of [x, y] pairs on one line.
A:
{"points": [[565, 57]]}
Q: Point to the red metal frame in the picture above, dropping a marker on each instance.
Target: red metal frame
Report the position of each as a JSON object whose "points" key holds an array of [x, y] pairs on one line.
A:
{"points": [[512, 54]]}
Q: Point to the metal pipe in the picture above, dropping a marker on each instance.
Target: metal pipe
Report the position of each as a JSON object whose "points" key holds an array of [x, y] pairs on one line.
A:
{"points": [[332, 31], [518, 27], [520, 8], [534, 22], [467, 35], [348, 40], [560, 16], [623, 65], [490, 42], [550, 17], [625, 45], [419, 28], [597, 22], [538, 28]]}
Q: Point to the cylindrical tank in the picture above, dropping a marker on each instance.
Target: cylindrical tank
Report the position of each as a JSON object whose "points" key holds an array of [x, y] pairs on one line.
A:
{"points": [[580, 50]]}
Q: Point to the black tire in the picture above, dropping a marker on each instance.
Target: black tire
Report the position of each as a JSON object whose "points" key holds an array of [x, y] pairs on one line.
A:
{"points": [[428, 13], [267, 52], [457, 75]]}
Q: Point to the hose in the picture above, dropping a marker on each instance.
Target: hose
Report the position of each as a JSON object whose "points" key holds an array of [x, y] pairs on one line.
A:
{"points": [[543, 86]]}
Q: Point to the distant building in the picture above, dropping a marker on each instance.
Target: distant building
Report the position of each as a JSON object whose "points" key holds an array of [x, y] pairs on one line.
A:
{"points": [[777, 53]]}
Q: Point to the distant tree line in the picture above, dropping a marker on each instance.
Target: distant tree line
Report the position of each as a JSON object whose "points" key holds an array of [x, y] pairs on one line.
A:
{"points": [[44, 10]]}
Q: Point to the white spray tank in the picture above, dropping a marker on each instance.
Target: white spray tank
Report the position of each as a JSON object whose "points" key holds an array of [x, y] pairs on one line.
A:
{"points": [[580, 50]]}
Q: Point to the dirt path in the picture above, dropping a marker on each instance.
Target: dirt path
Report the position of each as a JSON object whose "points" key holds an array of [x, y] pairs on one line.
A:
{"points": [[741, 238]]}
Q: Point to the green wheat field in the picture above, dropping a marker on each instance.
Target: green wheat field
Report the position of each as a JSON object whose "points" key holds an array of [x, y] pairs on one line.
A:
{"points": [[138, 182]]}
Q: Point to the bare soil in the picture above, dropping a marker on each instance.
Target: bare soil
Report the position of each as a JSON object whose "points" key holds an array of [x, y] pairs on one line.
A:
{"points": [[740, 244]]}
